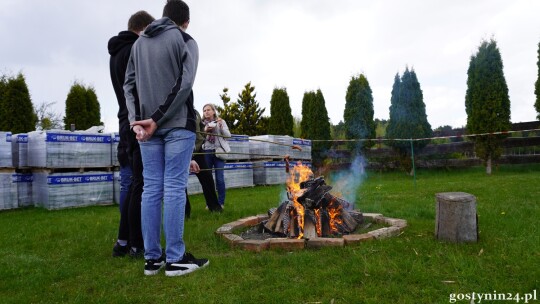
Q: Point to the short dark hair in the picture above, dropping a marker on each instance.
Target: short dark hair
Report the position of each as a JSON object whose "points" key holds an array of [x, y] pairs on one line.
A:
{"points": [[138, 21], [177, 11]]}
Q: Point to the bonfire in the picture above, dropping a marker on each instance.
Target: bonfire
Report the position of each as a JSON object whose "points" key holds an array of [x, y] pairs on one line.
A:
{"points": [[310, 210]]}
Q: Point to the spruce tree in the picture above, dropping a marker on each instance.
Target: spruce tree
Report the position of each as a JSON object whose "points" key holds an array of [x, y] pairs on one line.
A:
{"points": [[358, 114], [18, 114], [250, 121], [281, 119], [487, 102], [537, 87], [408, 119]]}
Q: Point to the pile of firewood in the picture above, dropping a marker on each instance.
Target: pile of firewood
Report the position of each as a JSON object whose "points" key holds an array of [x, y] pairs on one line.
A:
{"points": [[312, 212]]}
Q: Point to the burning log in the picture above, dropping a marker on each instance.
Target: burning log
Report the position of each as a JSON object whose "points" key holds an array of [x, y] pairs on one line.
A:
{"points": [[311, 212], [275, 222], [310, 225]]}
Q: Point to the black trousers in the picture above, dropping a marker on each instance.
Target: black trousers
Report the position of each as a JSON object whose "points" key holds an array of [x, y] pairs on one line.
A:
{"points": [[207, 182], [130, 216]]}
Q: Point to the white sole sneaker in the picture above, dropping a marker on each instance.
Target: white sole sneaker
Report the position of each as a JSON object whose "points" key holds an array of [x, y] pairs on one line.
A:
{"points": [[178, 269]]}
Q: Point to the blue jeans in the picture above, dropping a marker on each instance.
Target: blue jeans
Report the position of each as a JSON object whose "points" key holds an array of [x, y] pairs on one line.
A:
{"points": [[166, 157], [125, 182], [214, 162]]}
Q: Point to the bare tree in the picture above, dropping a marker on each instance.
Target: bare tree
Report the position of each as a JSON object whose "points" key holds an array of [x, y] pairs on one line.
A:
{"points": [[48, 119]]}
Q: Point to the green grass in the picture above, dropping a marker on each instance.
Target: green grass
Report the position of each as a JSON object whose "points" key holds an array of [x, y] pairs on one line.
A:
{"points": [[65, 255]]}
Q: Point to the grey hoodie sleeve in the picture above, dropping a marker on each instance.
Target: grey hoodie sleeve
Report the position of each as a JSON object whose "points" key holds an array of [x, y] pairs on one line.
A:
{"points": [[190, 60], [129, 89]]}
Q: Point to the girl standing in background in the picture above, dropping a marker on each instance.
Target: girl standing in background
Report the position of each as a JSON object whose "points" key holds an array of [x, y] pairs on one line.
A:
{"points": [[215, 142]]}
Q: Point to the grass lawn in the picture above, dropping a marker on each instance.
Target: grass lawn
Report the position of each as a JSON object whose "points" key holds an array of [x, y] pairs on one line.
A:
{"points": [[65, 255]]}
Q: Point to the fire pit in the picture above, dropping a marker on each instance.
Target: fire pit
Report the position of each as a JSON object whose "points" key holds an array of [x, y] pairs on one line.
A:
{"points": [[311, 210], [310, 217]]}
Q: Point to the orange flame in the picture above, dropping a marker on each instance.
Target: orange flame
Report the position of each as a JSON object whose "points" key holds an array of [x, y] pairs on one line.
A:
{"points": [[299, 173], [334, 212]]}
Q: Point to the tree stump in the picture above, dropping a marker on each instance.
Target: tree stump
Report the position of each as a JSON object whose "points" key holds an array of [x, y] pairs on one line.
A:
{"points": [[456, 220]]}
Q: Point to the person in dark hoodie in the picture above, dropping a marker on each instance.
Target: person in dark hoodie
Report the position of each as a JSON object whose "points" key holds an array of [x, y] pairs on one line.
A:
{"points": [[162, 69], [130, 238]]}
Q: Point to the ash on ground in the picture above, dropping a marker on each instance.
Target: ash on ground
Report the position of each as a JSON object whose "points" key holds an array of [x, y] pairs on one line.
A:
{"points": [[258, 232]]}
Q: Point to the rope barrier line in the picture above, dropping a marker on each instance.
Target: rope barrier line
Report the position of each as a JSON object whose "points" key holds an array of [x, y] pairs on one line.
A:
{"points": [[425, 138], [348, 140], [238, 153], [225, 169], [251, 139], [384, 139], [340, 140]]}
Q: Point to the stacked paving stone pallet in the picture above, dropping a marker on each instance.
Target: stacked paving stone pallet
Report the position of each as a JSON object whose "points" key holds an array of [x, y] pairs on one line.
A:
{"points": [[269, 166], [277, 146], [73, 189], [8, 189], [239, 148], [272, 172], [238, 175], [70, 169], [59, 169], [115, 138], [6, 158], [19, 150], [114, 148]]}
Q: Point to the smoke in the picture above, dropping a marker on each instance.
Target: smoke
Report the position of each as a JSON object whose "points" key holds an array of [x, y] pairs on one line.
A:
{"points": [[347, 182]]}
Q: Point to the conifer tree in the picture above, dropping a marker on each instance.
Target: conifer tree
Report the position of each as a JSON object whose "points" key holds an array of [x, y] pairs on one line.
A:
{"points": [[93, 108], [537, 87], [229, 111], [408, 119], [17, 111], [281, 119], [76, 112], [249, 122], [487, 102], [316, 125], [82, 108], [3, 106], [307, 107], [358, 114]]}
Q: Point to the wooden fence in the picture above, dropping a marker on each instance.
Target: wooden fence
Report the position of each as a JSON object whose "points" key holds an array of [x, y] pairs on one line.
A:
{"points": [[516, 150]]}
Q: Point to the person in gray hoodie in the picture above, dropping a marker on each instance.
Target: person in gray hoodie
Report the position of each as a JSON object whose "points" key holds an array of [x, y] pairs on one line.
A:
{"points": [[161, 70]]}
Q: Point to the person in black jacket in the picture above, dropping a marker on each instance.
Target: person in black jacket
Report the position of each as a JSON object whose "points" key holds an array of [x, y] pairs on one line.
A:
{"points": [[130, 239]]}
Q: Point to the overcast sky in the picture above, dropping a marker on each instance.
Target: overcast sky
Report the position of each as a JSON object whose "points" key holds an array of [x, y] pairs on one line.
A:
{"points": [[301, 45]]}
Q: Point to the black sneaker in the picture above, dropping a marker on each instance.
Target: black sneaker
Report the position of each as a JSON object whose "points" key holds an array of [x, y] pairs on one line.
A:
{"points": [[152, 266], [136, 253], [187, 264], [119, 250]]}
